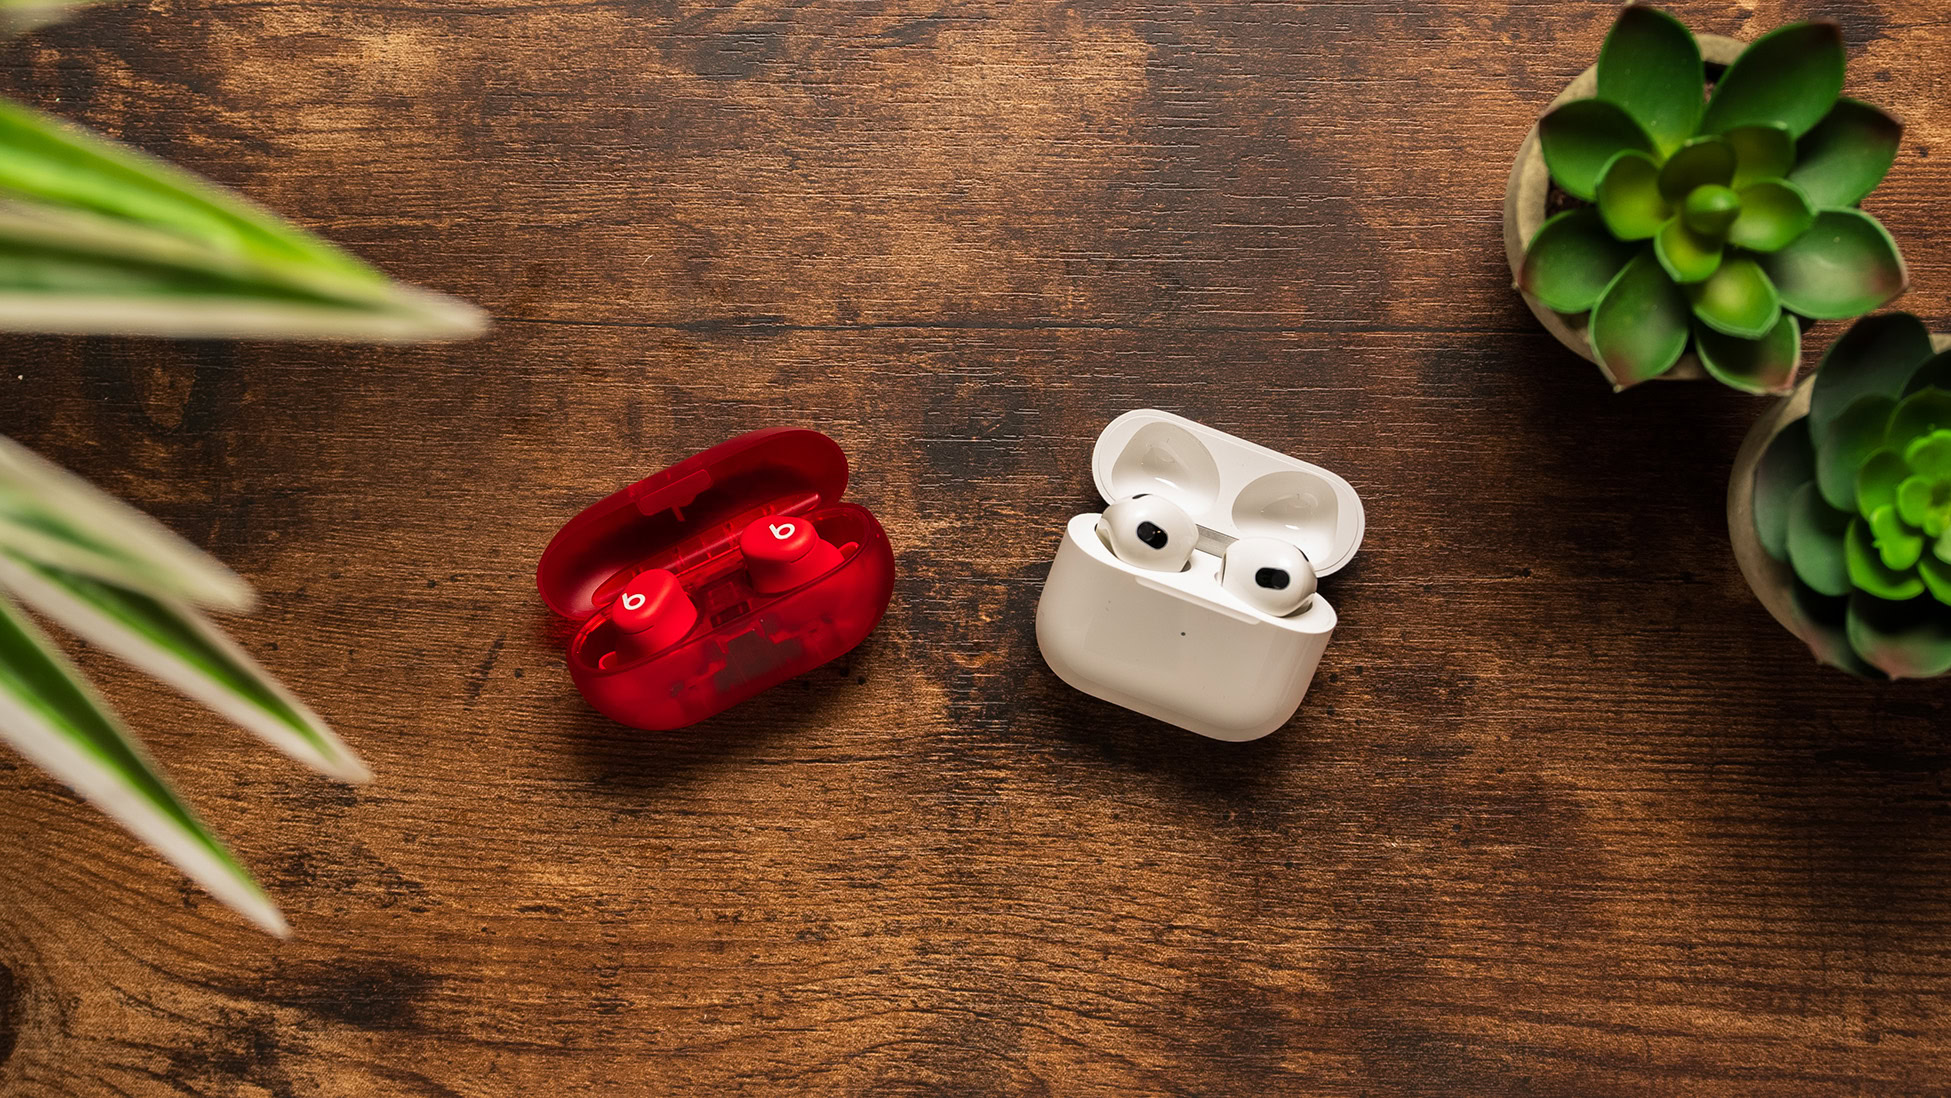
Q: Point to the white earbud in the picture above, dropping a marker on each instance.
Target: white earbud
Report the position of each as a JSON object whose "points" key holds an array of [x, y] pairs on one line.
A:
{"points": [[1268, 574], [1149, 532]]}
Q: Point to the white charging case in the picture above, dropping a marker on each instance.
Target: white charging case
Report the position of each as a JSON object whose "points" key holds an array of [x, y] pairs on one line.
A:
{"points": [[1176, 645]]}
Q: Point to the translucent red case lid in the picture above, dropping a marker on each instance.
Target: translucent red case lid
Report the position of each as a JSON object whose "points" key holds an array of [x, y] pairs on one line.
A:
{"points": [[687, 520]]}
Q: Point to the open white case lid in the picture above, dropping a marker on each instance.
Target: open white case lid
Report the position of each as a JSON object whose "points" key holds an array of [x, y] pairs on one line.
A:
{"points": [[1230, 485]]}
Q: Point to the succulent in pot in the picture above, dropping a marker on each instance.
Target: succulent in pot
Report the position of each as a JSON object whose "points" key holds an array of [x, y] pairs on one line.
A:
{"points": [[1704, 227], [1851, 504]]}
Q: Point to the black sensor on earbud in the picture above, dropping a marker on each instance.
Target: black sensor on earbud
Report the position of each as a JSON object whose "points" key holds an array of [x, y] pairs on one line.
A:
{"points": [[1149, 532]]}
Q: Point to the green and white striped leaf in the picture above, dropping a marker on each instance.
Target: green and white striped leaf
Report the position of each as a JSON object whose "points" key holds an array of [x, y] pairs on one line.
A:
{"points": [[96, 237], [17, 16], [181, 647], [51, 716], [48, 514]]}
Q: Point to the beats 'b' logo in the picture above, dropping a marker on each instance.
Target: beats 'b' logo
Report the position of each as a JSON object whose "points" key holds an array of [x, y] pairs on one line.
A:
{"points": [[782, 552], [654, 606]]}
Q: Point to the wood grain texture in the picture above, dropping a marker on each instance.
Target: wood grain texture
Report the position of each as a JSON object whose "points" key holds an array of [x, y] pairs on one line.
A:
{"points": [[1566, 813]]}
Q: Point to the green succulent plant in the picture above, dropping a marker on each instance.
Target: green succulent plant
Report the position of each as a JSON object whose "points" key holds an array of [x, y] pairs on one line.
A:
{"points": [[1855, 498], [1713, 222]]}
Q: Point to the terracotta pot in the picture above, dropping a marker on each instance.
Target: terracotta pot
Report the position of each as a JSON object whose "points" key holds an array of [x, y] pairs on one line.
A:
{"points": [[1772, 581], [1530, 187]]}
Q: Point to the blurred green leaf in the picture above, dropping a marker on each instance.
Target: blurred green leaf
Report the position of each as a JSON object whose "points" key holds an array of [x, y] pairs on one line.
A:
{"points": [[51, 716], [179, 646], [52, 161], [1579, 138], [1847, 154], [1571, 260], [96, 237], [1844, 266], [1639, 326], [1650, 65], [17, 16], [48, 514], [1791, 76], [1763, 365]]}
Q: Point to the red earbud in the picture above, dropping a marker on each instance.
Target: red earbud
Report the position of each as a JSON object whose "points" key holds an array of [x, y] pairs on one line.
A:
{"points": [[654, 609], [784, 551]]}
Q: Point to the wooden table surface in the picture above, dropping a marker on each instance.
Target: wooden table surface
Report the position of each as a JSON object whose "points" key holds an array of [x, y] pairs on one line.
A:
{"points": [[1565, 814]]}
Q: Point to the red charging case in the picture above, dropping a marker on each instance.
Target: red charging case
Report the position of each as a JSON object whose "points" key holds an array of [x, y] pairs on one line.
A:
{"points": [[687, 520]]}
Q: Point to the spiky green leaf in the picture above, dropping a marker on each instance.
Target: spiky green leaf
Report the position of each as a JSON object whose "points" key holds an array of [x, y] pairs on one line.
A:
{"points": [[97, 237], [50, 515], [182, 648], [49, 714]]}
